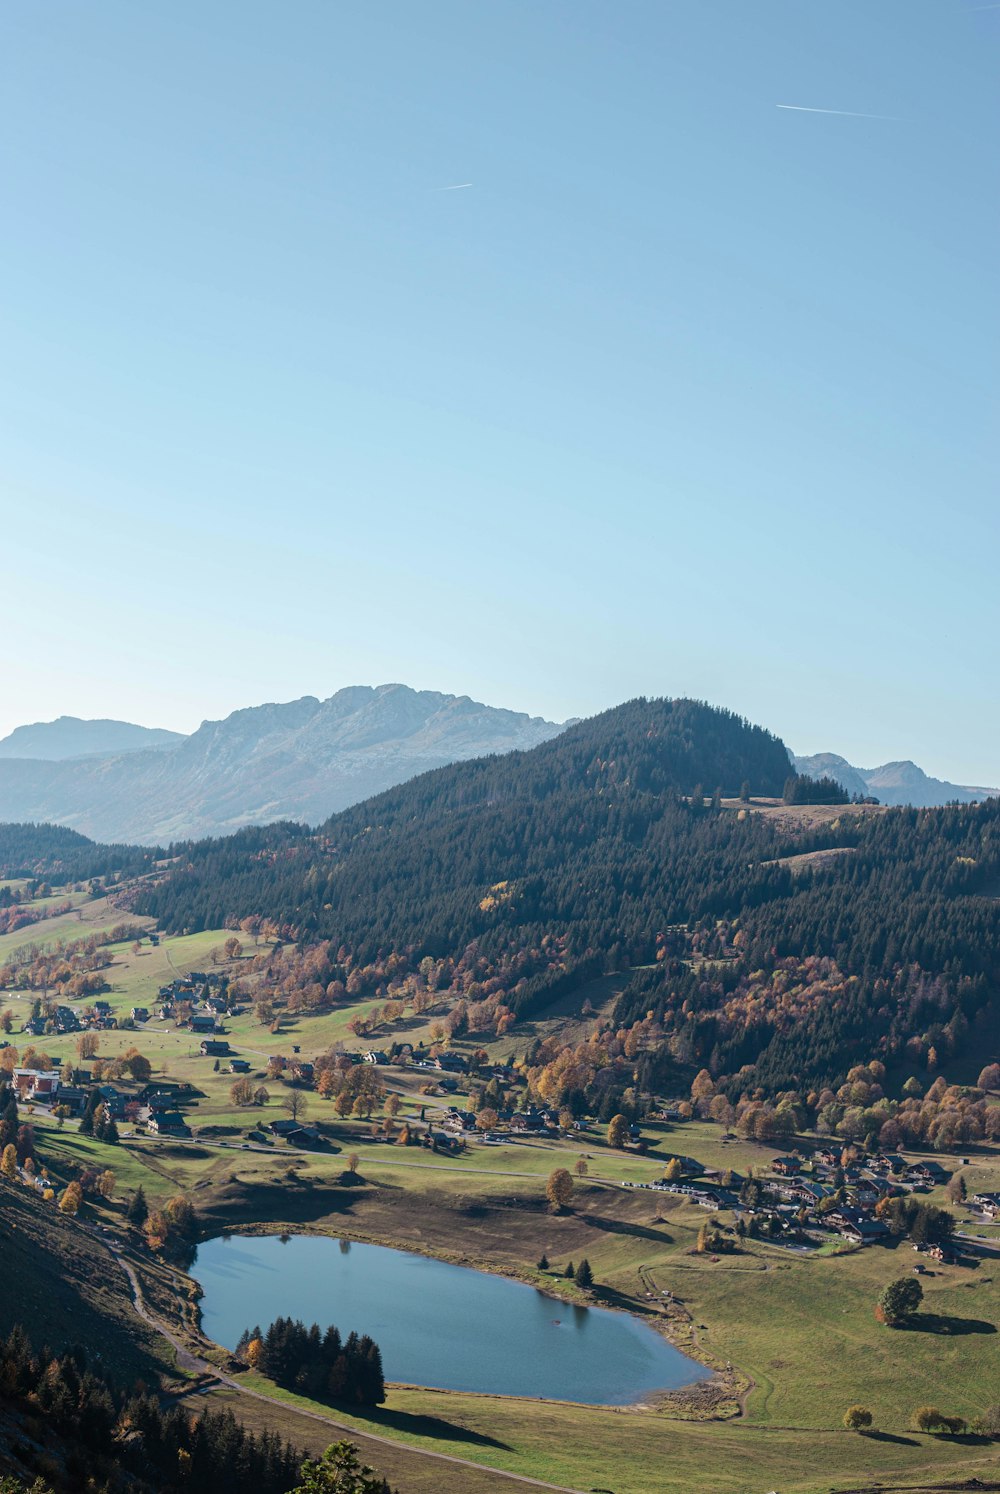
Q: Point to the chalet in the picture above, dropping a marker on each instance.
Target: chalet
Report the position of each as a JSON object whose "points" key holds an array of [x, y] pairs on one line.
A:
{"points": [[165, 993], [34, 1027], [160, 1100], [786, 1166], [859, 1228], [140, 1014], [987, 1203], [212, 1048], [203, 1022], [803, 1191], [283, 1127], [216, 1004], [238, 1066], [452, 1063], [375, 1056], [929, 1172], [36, 1084], [102, 1008], [113, 1100], [165, 1010], [168, 1122], [74, 1097], [277, 1061]]}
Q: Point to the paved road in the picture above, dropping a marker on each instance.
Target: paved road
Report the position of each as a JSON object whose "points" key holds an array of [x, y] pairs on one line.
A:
{"points": [[192, 1364]]}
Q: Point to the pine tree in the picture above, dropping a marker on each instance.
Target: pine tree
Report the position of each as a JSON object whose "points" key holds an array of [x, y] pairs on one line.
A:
{"points": [[138, 1210]]}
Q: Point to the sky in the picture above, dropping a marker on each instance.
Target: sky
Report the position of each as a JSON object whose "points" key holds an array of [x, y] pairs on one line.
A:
{"points": [[685, 394]]}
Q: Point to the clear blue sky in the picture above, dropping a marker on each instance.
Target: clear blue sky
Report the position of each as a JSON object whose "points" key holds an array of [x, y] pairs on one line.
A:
{"points": [[686, 394]]}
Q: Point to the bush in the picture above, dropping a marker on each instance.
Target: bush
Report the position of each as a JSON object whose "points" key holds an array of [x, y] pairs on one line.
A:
{"points": [[857, 1418]]}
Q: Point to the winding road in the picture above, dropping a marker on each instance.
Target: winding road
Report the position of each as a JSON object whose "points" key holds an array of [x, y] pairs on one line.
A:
{"points": [[193, 1365]]}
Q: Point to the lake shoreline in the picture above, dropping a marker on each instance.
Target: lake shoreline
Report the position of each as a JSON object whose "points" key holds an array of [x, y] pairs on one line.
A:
{"points": [[697, 1399]]}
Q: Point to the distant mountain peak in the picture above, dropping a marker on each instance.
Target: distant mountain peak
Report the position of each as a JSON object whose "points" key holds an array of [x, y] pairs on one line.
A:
{"points": [[71, 736], [895, 783]]}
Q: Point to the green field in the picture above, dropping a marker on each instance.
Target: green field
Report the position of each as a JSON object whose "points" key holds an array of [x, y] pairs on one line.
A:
{"points": [[798, 1331]]}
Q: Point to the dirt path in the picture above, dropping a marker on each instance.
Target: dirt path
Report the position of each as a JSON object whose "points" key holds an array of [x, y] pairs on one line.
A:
{"points": [[191, 1364]]}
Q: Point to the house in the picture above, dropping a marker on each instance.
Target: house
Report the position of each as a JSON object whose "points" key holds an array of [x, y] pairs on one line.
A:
{"points": [[73, 1097], [929, 1172], [786, 1166], [168, 1122], [203, 1022], [159, 1100], [375, 1056], [452, 1063], [987, 1203], [238, 1065], [212, 1048], [113, 1100], [860, 1229], [36, 1084], [102, 1008], [140, 1014]]}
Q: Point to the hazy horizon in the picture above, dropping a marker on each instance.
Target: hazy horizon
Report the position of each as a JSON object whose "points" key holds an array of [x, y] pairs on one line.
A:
{"points": [[940, 771]]}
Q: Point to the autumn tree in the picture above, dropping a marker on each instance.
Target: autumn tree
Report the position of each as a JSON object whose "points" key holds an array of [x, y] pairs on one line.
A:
{"points": [[989, 1078], [233, 948], [8, 1164], [857, 1419], [559, 1190], [71, 1198], [580, 1167], [486, 1119], [618, 1131], [87, 1044], [899, 1301], [242, 1092], [296, 1104]]}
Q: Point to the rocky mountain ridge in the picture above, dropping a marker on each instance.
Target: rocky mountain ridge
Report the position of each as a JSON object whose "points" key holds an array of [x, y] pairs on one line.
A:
{"points": [[301, 760]]}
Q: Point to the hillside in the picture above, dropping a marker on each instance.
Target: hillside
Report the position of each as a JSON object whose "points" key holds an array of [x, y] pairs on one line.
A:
{"points": [[300, 761], [901, 783], [69, 737], [530, 874]]}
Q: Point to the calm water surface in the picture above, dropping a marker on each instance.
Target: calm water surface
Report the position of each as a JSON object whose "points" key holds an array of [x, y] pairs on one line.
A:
{"points": [[436, 1324]]}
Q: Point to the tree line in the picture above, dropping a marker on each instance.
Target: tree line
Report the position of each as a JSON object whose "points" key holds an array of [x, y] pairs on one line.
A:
{"points": [[320, 1365]]}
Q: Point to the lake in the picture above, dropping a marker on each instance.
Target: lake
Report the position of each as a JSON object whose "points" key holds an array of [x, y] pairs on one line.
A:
{"points": [[445, 1326]]}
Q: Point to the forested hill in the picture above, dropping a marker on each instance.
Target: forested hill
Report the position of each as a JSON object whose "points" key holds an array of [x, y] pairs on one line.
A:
{"points": [[525, 875], [60, 854], [606, 801]]}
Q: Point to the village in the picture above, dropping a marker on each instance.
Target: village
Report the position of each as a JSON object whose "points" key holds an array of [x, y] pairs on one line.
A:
{"points": [[819, 1194]]}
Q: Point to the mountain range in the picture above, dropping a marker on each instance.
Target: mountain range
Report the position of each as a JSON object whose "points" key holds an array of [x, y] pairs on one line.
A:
{"points": [[893, 783], [301, 760]]}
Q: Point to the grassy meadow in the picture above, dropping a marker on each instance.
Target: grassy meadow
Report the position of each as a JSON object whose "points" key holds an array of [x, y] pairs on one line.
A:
{"points": [[792, 1335]]}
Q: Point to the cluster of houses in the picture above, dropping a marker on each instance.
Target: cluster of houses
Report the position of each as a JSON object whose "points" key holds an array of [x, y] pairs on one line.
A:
{"points": [[60, 1020], [796, 1197]]}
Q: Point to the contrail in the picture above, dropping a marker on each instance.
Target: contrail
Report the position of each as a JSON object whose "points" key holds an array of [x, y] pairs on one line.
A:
{"points": [[458, 187], [847, 113]]}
